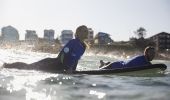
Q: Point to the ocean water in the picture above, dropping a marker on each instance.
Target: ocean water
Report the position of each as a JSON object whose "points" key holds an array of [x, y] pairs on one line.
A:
{"points": [[36, 85]]}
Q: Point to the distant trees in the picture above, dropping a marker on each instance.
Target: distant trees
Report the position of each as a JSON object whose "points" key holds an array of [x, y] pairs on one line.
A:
{"points": [[140, 42], [141, 32], [103, 38], [57, 41]]}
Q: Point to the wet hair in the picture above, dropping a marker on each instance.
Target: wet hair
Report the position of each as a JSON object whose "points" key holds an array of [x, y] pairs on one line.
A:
{"points": [[146, 51], [79, 30], [148, 48]]}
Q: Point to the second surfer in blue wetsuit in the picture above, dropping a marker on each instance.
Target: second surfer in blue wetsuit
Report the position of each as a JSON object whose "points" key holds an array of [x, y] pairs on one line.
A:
{"points": [[137, 61], [67, 59]]}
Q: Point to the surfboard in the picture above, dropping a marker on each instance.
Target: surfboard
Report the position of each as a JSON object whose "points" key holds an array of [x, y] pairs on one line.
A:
{"points": [[150, 68]]}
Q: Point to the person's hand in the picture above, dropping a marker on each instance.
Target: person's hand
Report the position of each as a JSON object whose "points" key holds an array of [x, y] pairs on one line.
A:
{"points": [[69, 71]]}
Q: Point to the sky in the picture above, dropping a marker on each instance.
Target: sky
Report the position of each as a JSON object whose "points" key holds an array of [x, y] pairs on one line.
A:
{"points": [[119, 18]]}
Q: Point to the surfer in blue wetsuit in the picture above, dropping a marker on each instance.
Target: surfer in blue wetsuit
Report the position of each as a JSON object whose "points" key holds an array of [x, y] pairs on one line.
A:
{"points": [[149, 54], [67, 59], [73, 50]]}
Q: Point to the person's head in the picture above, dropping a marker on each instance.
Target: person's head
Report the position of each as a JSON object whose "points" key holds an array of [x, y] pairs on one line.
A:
{"points": [[101, 62], [82, 32], [149, 53]]}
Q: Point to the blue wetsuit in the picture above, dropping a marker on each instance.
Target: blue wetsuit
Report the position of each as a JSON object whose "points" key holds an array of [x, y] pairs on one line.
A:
{"points": [[137, 61], [71, 53], [134, 62]]}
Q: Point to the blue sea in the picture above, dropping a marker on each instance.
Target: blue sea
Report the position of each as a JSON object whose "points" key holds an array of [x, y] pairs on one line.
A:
{"points": [[36, 85]]}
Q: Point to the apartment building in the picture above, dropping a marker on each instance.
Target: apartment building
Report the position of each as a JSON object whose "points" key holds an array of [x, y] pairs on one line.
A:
{"points": [[162, 41]]}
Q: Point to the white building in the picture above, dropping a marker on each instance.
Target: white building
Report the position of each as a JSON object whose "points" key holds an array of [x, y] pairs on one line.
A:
{"points": [[9, 34], [31, 36], [66, 36], [90, 36], [103, 38], [49, 35], [162, 41]]}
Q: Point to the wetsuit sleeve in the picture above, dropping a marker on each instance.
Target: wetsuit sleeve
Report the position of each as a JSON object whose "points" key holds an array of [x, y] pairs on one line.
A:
{"points": [[65, 52], [70, 54], [137, 61], [74, 56]]}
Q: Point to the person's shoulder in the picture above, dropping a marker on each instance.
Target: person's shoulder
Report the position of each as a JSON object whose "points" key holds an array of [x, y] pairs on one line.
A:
{"points": [[74, 40], [138, 57]]}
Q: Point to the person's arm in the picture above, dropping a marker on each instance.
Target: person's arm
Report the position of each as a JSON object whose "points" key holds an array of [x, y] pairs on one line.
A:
{"points": [[71, 54], [64, 55], [137, 61], [73, 59], [69, 70], [106, 66], [103, 64]]}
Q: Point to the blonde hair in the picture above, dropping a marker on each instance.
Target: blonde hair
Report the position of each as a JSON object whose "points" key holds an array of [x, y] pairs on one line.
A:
{"points": [[79, 32]]}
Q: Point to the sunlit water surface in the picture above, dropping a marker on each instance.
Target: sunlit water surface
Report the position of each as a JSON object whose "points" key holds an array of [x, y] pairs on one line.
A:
{"points": [[36, 85]]}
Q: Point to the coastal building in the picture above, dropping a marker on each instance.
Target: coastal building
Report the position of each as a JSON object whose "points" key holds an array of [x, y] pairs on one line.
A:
{"points": [[31, 36], [90, 36], [66, 36], [103, 38], [49, 35], [162, 41], [9, 34]]}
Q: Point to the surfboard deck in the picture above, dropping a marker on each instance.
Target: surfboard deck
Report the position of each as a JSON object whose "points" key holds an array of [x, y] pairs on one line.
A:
{"points": [[154, 68], [150, 68]]}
